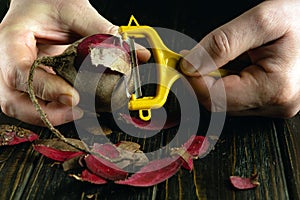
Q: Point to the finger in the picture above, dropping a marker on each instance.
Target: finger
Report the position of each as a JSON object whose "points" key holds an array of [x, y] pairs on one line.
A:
{"points": [[197, 62], [275, 111], [252, 29], [143, 54], [91, 22], [184, 52], [243, 92], [48, 87], [18, 105], [50, 50], [16, 61], [87, 20]]}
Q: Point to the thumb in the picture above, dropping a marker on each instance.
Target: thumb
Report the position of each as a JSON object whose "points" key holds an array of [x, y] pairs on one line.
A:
{"points": [[84, 19], [248, 31]]}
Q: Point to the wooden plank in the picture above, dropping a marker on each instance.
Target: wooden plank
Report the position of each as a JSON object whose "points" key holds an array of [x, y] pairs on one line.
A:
{"points": [[17, 163], [16, 170], [289, 134], [245, 146], [26, 174]]}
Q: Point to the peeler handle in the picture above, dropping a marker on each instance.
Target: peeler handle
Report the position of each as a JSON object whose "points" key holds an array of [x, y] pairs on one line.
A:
{"points": [[166, 65]]}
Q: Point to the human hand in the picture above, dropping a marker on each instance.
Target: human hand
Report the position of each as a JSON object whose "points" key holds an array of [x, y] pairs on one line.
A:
{"points": [[270, 34], [34, 28]]}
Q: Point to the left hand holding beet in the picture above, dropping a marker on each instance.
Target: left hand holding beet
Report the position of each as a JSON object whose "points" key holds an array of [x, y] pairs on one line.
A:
{"points": [[33, 28]]}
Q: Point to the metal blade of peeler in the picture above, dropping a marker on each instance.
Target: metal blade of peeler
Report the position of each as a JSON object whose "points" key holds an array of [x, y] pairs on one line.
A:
{"points": [[135, 69]]}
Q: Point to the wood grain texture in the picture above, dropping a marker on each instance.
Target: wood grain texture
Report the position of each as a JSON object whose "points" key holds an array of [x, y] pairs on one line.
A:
{"points": [[246, 145], [289, 142], [268, 147]]}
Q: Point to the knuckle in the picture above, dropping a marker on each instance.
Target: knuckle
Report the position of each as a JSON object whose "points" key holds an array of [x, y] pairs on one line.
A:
{"points": [[40, 90], [112, 29], [278, 100], [8, 109], [16, 78], [289, 113], [284, 99], [265, 16], [10, 78], [283, 96], [221, 43], [261, 16]]}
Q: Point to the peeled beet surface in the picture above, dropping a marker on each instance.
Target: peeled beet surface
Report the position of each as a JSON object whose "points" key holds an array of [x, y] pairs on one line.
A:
{"points": [[94, 41]]}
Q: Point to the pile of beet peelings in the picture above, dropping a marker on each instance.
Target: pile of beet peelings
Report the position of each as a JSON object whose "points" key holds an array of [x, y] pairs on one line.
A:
{"points": [[106, 162]]}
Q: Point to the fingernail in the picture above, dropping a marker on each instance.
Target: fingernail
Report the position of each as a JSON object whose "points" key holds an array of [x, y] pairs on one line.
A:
{"points": [[187, 68], [197, 62], [68, 100], [73, 114]]}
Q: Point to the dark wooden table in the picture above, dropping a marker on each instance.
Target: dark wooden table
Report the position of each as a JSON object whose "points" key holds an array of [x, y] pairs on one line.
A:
{"points": [[271, 147], [247, 144]]}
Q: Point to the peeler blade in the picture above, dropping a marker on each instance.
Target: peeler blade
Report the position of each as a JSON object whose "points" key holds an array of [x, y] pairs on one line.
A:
{"points": [[135, 68]]}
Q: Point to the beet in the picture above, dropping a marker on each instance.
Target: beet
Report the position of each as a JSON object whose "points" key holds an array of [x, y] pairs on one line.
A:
{"points": [[84, 61], [94, 65], [98, 55], [99, 40]]}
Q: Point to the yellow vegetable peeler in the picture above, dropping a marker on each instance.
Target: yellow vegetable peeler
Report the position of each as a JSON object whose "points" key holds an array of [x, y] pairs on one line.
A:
{"points": [[166, 60]]}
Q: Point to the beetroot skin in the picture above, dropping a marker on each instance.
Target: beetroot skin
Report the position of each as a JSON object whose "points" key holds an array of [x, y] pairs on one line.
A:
{"points": [[12, 135], [98, 60], [94, 56], [244, 183], [153, 173], [94, 66], [58, 150]]}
